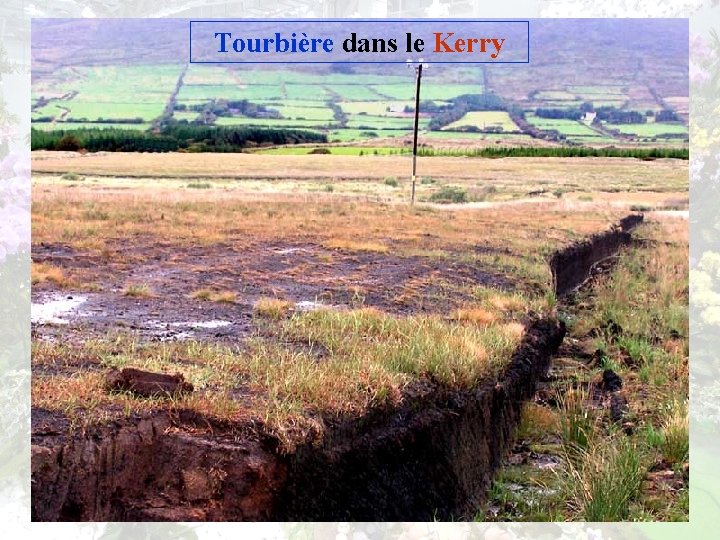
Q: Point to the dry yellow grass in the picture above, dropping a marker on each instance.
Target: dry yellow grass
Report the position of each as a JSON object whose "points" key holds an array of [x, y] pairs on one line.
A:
{"points": [[506, 302], [213, 295], [584, 173], [138, 290], [273, 308], [368, 357], [164, 215], [356, 245], [476, 315], [537, 422], [44, 272]]}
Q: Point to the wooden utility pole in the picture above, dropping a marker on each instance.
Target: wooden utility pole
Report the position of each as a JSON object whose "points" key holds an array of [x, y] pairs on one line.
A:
{"points": [[418, 77]]}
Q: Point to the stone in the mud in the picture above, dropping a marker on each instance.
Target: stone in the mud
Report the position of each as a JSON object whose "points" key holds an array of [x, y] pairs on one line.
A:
{"points": [[611, 381], [618, 407], [147, 383]]}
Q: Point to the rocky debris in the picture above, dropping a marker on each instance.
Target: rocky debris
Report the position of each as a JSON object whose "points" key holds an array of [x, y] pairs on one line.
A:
{"points": [[618, 407], [611, 381], [146, 383], [612, 398]]}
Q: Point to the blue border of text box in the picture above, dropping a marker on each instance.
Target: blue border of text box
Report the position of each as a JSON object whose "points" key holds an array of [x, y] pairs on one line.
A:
{"points": [[359, 61]]}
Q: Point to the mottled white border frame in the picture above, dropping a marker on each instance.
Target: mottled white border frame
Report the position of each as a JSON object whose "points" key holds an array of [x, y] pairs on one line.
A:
{"points": [[14, 266]]}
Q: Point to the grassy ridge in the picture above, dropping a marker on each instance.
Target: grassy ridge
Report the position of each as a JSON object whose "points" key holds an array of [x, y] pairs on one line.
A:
{"points": [[563, 151]]}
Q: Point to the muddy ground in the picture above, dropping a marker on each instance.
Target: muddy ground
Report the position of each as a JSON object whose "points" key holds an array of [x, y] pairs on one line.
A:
{"points": [[444, 438], [305, 273]]}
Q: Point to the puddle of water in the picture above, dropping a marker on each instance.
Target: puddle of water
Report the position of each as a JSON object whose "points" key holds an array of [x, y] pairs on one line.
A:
{"points": [[307, 305], [201, 324], [545, 461], [287, 251], [171, 336], [49, 312]]}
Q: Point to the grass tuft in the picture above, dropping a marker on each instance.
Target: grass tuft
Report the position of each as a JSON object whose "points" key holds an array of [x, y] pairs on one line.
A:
{"points": [[273, 308], [606, 479], [675, 445], [212, 295], [578, 422], [44, 272], [476, 315], [138, 290]]}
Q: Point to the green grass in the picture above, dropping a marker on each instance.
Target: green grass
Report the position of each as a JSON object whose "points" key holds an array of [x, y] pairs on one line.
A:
{"points": [[449, 194], [562, 125], [116, 92], [428, 91], [335, 150], [353, 92], [510, 138], [485, 120], [555, 95], [347, 135], [307, 113], [186, 115], [53, 109], [50, 126], [383, 122], [598, 89], [375, 108], [606, 479], [651, 129], [308, 92], [636, 319], [274, 122], [113, 111], [206, 92], [368, 358]]}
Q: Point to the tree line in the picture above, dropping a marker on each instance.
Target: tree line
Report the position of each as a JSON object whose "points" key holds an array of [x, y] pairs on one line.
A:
{"points": [[464, 104], [179, 137]]}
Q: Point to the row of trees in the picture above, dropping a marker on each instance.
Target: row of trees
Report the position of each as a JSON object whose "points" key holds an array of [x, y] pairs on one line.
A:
{"points": [[226, 107], [464, 104], [191, 138], [566, 114]]}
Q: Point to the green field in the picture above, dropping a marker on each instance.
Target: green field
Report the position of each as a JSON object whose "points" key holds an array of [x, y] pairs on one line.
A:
{"points": [[373, 103], [353, 92], [609, 89], [561, 125], [555, 95], [485, 120], [307, 92], [307, 113], [592, 139], [651, 129], [113, 111], [376, 108], [337, 150], [431, 91], [383, 122], [206, 92], [49, 126], [114, 92], [347, 135], [53, 110], [185, 115], [274, 122]]}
